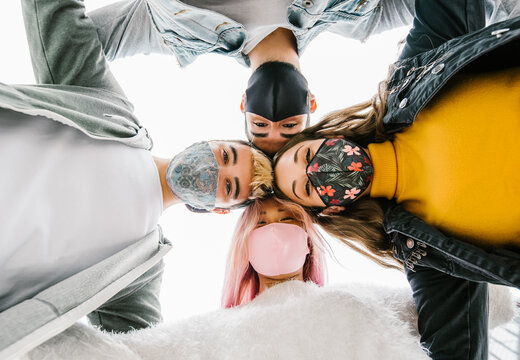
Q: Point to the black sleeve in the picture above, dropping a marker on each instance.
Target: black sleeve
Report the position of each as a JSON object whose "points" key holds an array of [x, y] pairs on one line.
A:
{"points": [[452, 314], [437, 21]]}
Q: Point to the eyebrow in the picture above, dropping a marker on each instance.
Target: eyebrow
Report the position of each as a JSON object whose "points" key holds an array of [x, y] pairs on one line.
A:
{"points": [[234, 151], [296, 154], [237, 188], [288, 136], [259, 135], [293, 190]]}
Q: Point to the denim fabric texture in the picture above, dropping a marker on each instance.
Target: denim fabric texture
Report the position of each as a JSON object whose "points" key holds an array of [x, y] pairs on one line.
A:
{"points": [[189, 31], [448, 276], [416, 80]]}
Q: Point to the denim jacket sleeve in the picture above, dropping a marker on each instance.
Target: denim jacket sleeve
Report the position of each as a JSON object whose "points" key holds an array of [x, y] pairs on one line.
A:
{"points": [[64, 45], [438, 21], [125, 28], [452, 314], [395, 13]]}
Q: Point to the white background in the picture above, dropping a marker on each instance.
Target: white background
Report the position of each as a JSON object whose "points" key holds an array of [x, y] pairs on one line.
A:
{"points": [[201, 102]]}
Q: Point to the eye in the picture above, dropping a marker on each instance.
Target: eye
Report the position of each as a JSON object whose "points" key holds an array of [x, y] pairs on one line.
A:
{"points": [[261, 222], [308, 188], [228, 187], [288, 219], [259, 124], [225, 156], [289, 125], [308, 156]]}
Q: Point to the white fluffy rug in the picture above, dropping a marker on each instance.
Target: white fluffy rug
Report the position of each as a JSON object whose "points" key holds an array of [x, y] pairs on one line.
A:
{"points": [[294, 320]]}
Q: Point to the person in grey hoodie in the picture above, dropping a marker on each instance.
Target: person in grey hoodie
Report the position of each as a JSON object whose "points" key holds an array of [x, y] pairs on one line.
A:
{"points": [[81, 193]]}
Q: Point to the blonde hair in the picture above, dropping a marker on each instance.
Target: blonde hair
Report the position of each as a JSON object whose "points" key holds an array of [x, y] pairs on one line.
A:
{"points": [[262, 178], [360, 226]]}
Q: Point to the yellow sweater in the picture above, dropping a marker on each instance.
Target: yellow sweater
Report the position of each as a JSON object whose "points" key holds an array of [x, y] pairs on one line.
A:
{"points": [[458, 166]]}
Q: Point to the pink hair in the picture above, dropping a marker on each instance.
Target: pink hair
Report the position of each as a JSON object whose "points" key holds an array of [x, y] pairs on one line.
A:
{"points": [[241, 282]]}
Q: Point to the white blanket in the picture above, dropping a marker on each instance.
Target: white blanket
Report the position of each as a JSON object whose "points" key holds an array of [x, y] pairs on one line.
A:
{"points": [[293, 320]]}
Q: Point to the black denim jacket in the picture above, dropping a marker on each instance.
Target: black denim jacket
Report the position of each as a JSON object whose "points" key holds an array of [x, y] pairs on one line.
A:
{"points": [[416, 80], [448, 277], [416, 243]]}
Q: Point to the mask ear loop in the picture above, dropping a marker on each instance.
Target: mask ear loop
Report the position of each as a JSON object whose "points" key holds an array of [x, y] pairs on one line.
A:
{"points": [[196, 210]]}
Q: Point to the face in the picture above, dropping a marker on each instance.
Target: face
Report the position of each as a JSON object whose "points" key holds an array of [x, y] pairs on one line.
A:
{"points": [[270, 136], [291, 176], [235, 162], [273, 212]]}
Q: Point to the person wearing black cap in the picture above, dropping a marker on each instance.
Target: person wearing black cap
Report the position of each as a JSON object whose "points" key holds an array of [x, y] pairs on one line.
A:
{"points": [[277, 102], [269, 36]]}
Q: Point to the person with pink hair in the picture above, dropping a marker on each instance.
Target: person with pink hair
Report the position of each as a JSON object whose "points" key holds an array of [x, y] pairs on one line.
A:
{"points": [[274, 241]]}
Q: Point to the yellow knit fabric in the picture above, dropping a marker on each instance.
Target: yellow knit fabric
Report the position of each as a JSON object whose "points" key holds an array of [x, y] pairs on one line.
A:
{"points": [[458, 166]]}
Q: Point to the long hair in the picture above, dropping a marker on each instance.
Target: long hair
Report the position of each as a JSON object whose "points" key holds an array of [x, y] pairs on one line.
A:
{"points": [[360, 226], [241, 283]]}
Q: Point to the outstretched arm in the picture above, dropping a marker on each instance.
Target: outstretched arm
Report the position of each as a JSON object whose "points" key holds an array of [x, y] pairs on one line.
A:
{"points": [[125, 28], [438, 21], [395, 13], [64, 45]]}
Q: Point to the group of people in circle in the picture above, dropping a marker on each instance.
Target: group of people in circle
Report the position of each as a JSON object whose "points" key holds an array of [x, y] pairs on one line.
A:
{"points": [[423, 177]]}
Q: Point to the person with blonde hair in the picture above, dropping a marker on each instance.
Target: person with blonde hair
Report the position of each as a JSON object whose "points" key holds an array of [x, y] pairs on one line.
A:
{"points": [[427, 172], [274, 241]]}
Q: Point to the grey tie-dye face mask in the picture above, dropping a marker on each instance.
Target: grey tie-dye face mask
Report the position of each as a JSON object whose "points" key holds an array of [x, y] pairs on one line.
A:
{"points": [[193, 176]]}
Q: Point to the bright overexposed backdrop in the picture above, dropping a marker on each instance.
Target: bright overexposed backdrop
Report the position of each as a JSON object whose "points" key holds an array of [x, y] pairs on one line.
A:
{"points": [[201, 102]]}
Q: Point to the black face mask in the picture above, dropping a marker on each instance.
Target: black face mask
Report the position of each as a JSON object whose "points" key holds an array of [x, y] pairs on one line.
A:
{"points": [[276, 91]]}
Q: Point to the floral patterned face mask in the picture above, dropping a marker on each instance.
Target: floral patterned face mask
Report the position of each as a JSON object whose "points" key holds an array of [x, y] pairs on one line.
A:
{"points": [[340, 171]]}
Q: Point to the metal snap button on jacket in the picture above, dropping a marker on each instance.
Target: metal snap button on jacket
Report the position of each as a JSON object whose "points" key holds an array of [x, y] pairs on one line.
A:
{"points": [[403, 103], [307, 3], [410, 243], [498, 33]]}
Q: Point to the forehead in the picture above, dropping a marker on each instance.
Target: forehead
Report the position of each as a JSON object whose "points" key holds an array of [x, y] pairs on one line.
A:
{"points": [[236, 144], [289, 154], [269, 205], [255, 117]]}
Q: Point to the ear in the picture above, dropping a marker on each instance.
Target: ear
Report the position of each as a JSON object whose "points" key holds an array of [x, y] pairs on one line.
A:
{"points": [[312, 102], [333, 210], [220, 211], [243, 103]]}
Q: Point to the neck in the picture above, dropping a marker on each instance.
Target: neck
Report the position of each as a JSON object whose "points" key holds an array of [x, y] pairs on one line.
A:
{"points": [[168, 198], [266, 282], [280, 45]]}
